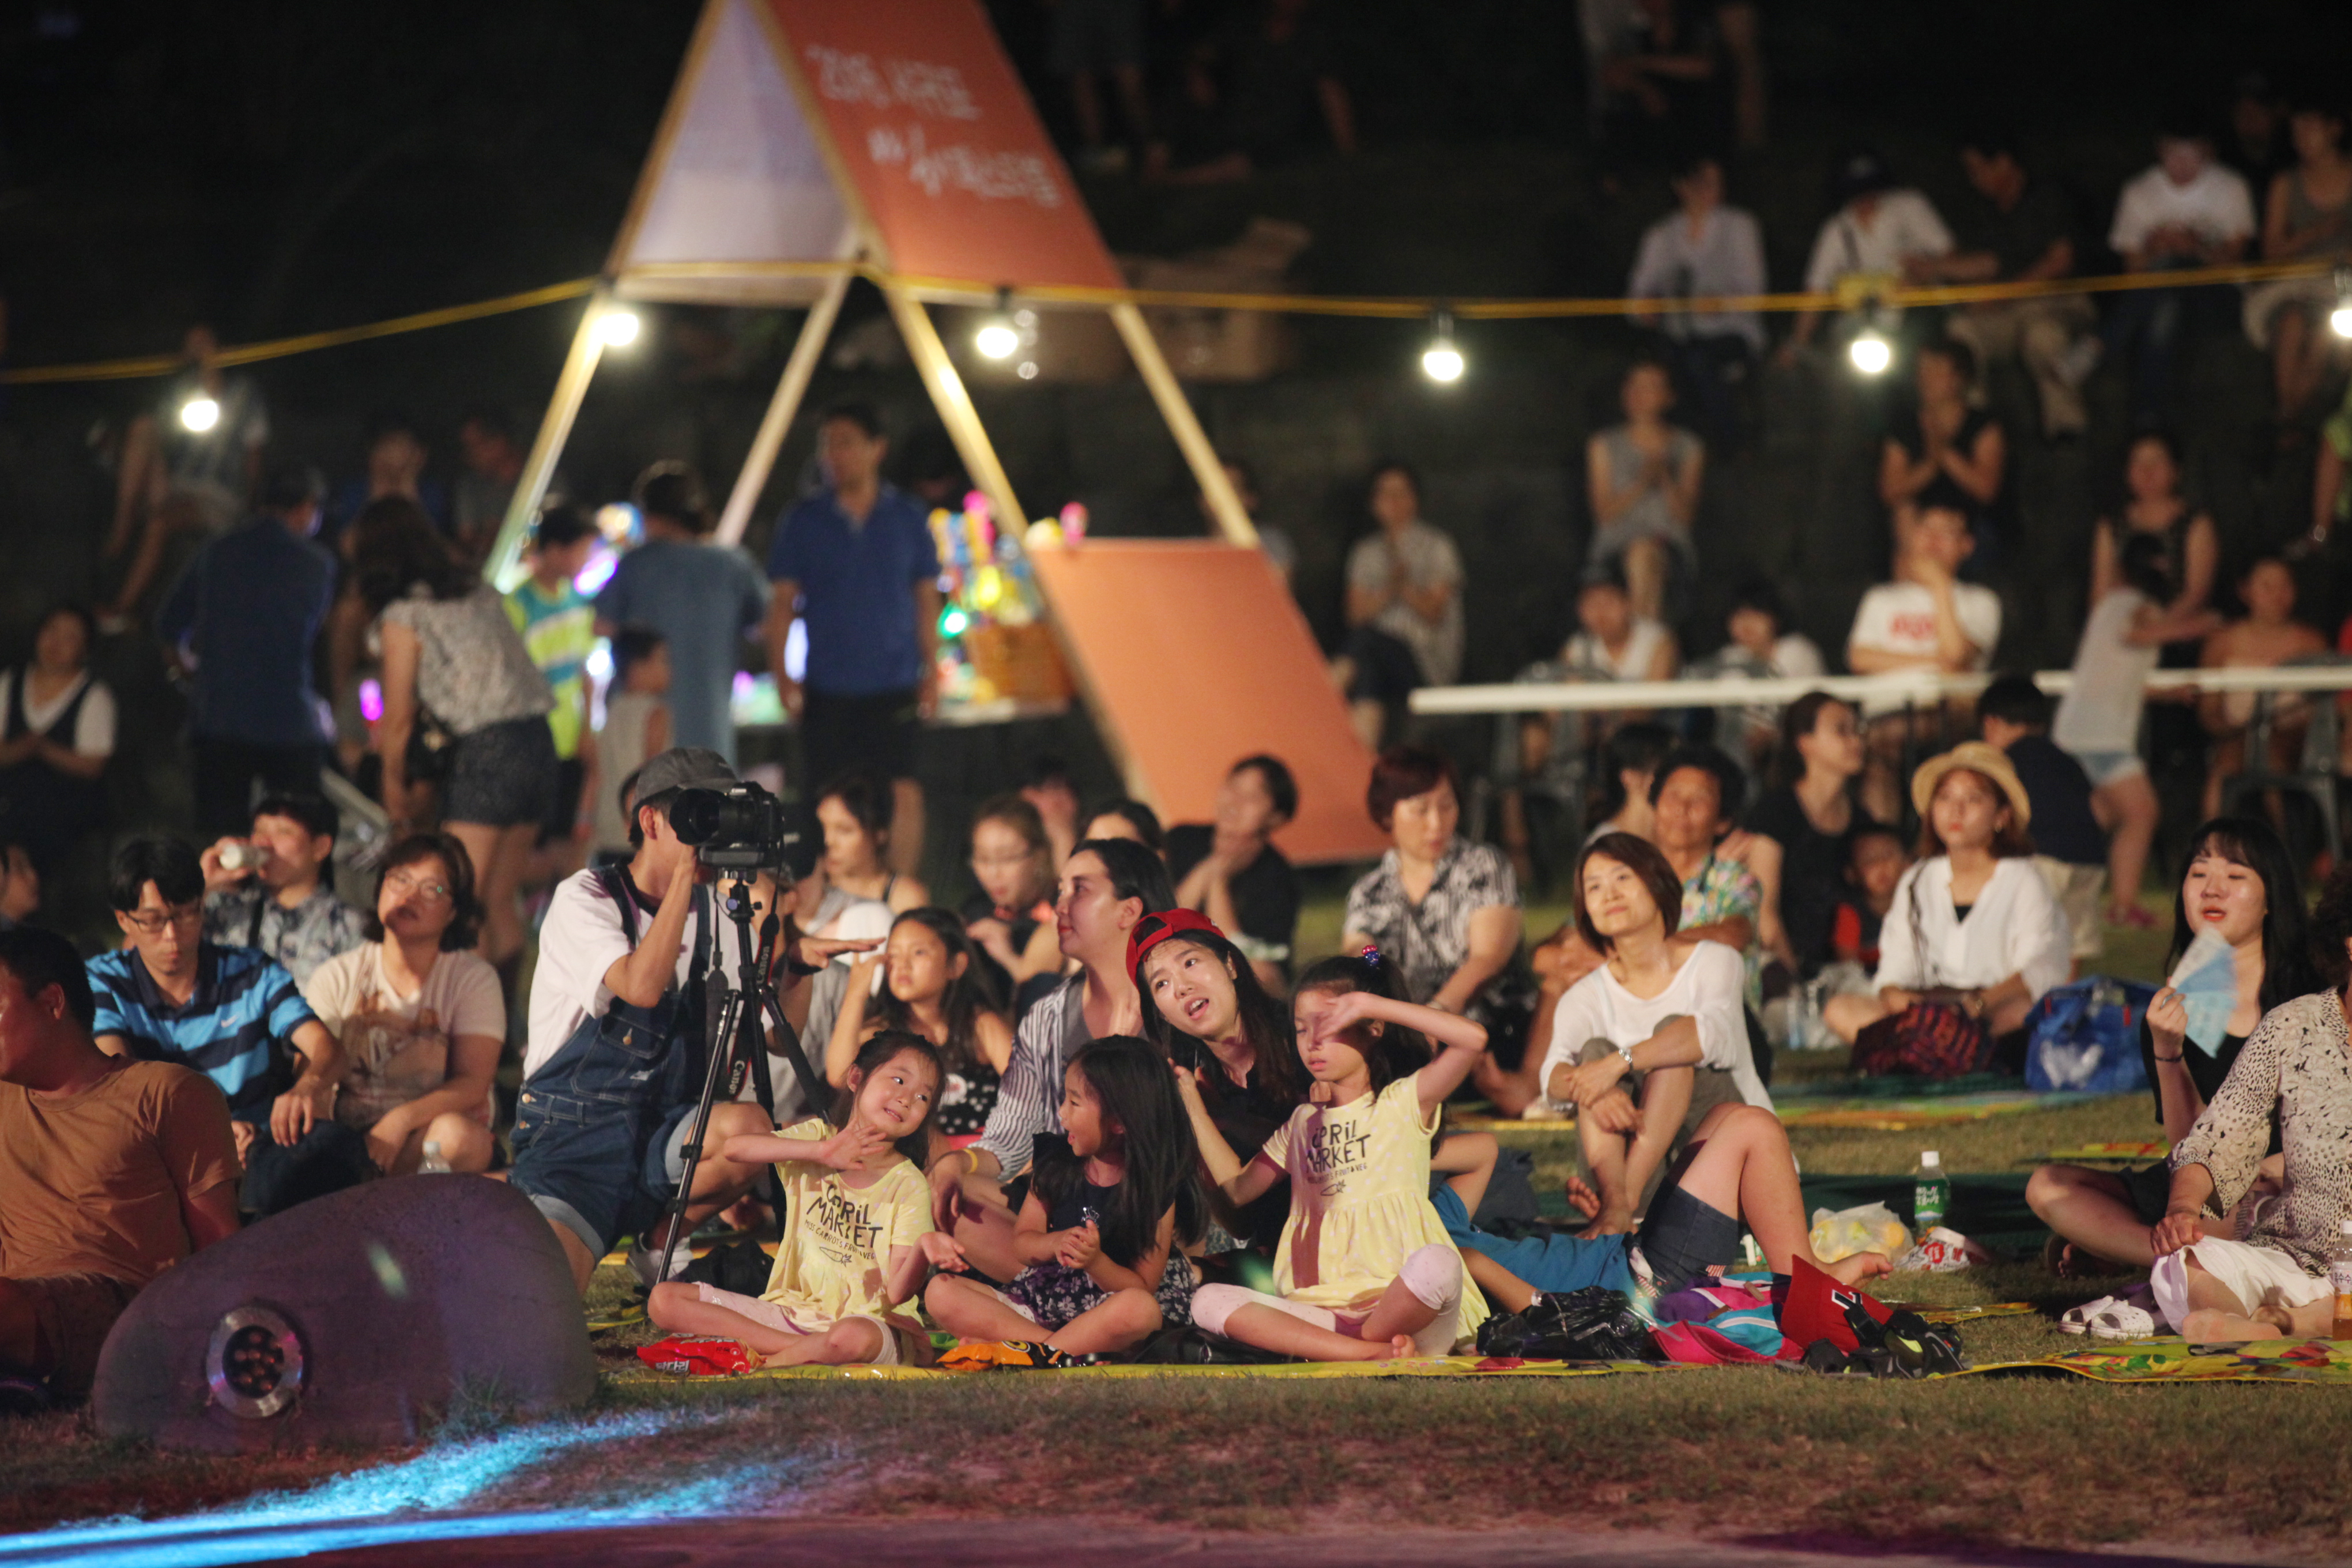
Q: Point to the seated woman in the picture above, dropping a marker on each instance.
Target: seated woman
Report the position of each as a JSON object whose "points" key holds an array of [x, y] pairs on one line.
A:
{"points": [[1801, 831], [1124, 819], [56, 732], [2239, 884], [1656, 1039], [1011, 919], [2267, 638], [2289, 1078], [1695, 797], [933, 988], [1443, 910], [1951, 456], [1972, 922], [420, 1014], [1236, 1065], [854, 811], [1230, 870], [1644, 479]]}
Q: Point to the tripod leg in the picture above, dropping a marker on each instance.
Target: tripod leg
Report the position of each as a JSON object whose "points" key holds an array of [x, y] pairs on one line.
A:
{"points": [[723, 1028]]}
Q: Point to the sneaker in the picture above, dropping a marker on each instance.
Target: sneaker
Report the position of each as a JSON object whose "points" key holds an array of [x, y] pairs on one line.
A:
{"points": [[644, 1265]]}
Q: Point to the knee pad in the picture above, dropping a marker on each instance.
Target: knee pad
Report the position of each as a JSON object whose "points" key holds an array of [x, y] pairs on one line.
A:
{"points": [[1433, 1274], [1214, 1305]]}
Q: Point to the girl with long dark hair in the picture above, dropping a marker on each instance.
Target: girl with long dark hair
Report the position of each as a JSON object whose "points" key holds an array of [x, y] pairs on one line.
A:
{"points": [[1099, 1234], [933, 987], [2239, 883], [1237, 1069]]}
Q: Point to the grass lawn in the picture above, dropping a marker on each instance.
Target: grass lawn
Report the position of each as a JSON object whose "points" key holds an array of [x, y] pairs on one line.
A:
{"points": [[2017, 1460]]}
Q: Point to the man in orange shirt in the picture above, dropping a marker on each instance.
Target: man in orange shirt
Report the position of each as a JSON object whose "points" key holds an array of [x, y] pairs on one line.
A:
{"points": [[111, 1171]]}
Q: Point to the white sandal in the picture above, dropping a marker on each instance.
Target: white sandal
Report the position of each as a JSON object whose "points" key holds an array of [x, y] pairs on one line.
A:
{"points": [[2077, 1320], [2121, 1320]]}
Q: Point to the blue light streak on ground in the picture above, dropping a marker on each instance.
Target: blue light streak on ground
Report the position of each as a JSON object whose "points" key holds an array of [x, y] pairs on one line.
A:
{"points": [[414, 1501]]}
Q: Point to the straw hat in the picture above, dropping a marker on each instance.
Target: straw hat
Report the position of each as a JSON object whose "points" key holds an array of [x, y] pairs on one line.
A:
{"points": [[1978, 757]]}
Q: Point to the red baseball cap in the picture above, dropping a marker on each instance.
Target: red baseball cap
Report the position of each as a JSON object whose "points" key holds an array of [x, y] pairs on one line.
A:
{"points": [[1154, 929]]}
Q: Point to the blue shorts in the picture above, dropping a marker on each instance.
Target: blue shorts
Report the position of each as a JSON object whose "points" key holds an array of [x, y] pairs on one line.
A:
{"points": [[579, 1162]]}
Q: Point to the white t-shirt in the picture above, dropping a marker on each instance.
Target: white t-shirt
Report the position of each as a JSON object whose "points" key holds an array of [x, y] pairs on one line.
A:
{"points": [[1710, 989], [1900, 618], [1905, 223], [579, 942], [2101, 710], [2215, 205], [398, 1046], [93, 733]]}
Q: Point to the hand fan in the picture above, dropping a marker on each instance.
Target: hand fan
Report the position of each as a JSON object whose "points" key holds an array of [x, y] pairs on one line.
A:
{"points": [[2207, 979]]}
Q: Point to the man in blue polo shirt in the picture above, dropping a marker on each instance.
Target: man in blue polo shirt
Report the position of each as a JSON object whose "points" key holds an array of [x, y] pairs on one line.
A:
{"points": [[231, 1014], [247, 615], [857, 562]]}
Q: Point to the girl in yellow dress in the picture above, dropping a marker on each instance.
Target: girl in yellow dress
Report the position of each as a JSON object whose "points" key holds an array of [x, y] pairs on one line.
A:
{"points": [[857, 1209], [1364, 1270]]}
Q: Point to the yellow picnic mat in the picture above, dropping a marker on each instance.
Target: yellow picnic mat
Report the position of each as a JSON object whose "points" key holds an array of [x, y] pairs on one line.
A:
{"points": [[2177, 1361], [1419, 1366]]}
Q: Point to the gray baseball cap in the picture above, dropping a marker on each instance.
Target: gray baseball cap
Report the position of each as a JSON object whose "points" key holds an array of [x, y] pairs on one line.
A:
{"points": [[685, 767]]}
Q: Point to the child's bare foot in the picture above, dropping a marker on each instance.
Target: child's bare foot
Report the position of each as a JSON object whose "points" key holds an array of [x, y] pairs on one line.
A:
{"points": [[1862, 1266], [1582, 1198], [1611, 1222], [1402, 1348]]}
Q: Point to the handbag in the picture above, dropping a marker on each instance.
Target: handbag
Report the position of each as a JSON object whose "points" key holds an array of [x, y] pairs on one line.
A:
{"points": [[430, 744], [1591, 1324]]}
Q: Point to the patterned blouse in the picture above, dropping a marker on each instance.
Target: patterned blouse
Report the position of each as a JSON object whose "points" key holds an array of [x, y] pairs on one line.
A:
{"points": [[1429, 941], [2295, 1069]]}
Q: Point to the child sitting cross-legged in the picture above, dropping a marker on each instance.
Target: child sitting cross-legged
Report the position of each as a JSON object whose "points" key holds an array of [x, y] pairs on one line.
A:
{"points": [[1364, 1271], [855, 1210], [1097, 1234]]}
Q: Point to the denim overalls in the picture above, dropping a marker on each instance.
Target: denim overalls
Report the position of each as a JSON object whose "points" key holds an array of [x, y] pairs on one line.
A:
{"points": [[593, 1126]]}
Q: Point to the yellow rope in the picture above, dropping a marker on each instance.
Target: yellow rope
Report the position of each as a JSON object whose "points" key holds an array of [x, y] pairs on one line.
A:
{"points": [[1376, 308]]}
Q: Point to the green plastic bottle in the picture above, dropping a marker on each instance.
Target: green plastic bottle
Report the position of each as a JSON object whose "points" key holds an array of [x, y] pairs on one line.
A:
{"points": [[1931, 1193]]}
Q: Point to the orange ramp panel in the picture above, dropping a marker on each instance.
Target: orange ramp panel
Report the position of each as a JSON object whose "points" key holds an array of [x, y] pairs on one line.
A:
{"points": [[1192, 656]]}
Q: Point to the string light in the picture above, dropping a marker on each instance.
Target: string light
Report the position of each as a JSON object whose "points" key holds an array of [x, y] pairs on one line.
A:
{"points": [[200, 413], [1442, 362], [998, 338], [2340, 318], [618, 329], [1870, 352]]}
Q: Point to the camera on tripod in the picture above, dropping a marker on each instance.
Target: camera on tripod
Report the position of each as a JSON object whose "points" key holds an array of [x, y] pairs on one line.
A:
{"points": [[746, 829]]}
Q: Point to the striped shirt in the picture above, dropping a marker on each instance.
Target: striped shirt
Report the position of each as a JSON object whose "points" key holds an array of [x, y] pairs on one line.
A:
{"points": [[1029, 1100], [234, 1028]]}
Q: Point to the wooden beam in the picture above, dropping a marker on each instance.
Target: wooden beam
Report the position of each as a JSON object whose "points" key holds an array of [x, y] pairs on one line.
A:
{"points": [[955, 409], [778, 422], [504, 563], [1208, 469]]}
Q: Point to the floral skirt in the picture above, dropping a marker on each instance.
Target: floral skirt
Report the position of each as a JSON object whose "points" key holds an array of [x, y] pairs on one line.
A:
{"points": [[1053, 1294]]}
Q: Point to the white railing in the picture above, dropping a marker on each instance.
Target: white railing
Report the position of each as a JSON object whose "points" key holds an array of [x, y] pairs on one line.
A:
{"points": [[1890, 690]]}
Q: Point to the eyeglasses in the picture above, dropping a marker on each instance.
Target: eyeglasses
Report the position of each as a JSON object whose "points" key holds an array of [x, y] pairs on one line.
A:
{"points": [[401, 882], [178, 915]]}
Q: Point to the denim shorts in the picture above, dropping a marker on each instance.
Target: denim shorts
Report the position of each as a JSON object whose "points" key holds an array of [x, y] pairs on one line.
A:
{"points": [[1684, 1237], [578, 1161]]}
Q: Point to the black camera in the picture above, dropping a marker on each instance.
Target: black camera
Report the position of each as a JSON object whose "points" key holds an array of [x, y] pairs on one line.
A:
{"points": [[745, 828]]}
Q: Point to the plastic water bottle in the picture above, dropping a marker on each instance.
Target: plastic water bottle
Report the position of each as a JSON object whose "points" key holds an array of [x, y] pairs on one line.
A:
{"points": [[434, 1163], [1931, 1193], [2339, 1279]]}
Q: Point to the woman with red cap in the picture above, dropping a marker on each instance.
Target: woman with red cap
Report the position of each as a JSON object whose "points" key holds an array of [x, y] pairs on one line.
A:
{"points": [[1238, 1066]]}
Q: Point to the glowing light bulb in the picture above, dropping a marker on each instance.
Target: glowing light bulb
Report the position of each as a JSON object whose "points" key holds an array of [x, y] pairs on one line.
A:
{"points": [[997, 339], [1440, 361], [2340, 319], [619, 329], [1871, 353], [200, 413]]}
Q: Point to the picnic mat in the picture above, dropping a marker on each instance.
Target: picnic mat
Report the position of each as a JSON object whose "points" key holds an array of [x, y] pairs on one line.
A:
{"points": [[2177, 1361], [1896, 1103], [1417, 1366]]}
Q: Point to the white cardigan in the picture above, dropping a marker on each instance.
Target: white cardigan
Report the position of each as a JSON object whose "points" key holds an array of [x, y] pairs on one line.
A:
{"points": [[2015, 927]]}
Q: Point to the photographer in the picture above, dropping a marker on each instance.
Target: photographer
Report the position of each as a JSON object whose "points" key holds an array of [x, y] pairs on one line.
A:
{"points": [[615, 1058]]}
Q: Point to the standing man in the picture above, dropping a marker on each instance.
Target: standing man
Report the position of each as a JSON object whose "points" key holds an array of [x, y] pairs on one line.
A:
{"points": [[704, 599], [276, 896], [857, 562], [493, 463], [234, 1015], [246, 615], [110, 1172]]}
